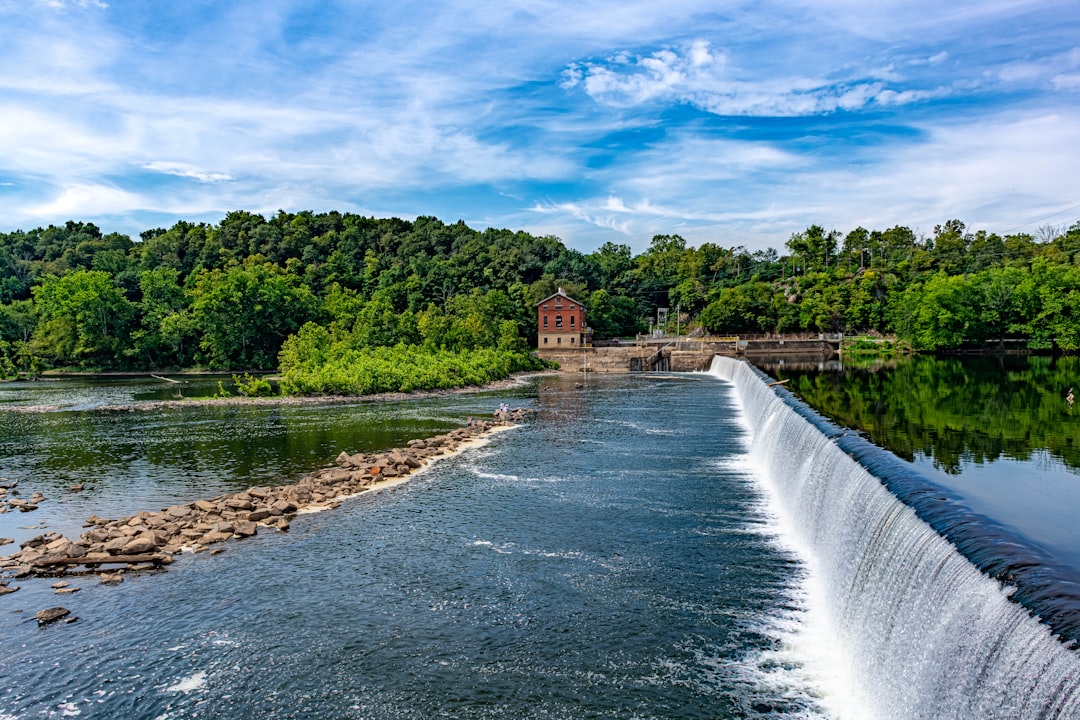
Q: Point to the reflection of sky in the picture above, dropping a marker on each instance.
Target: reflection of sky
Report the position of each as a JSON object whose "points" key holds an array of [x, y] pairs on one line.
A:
{"points": [[1039, 498]]}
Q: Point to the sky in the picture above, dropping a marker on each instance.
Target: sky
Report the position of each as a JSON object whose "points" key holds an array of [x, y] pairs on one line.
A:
{"points": [[737, 123]]}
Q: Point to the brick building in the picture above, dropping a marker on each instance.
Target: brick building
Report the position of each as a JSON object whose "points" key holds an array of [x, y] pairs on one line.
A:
{"points": [[561, 322]]}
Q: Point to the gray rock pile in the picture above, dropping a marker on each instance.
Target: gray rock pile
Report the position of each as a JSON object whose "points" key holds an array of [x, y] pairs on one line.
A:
{"points": [[148, 540]]}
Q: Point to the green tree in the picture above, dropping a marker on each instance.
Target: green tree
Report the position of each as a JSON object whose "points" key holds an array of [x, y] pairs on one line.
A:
{"points": [[166, 333], [246, 311], [84, 318]]}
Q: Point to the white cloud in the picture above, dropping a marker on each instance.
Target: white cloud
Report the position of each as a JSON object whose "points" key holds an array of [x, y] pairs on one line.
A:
{"points": [[1046, 68], [79, 201], [187, 171], [68, 4], [697, 75]]}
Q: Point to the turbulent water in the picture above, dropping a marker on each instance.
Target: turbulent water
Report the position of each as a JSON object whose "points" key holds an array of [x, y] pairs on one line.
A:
{"points": [[612, 558], [646, 547]]}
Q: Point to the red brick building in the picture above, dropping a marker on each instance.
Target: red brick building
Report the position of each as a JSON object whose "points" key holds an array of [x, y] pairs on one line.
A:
{"points": [[561, 322]]}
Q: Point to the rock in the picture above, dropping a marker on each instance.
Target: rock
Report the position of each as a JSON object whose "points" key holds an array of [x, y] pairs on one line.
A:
{"points": [[30, 556], [75, 550], [334, 475], [75, 487], [111, 578], [116, 545], [139, 567], [34, 542], [245, 529], [284, 507], [258, 492], [205, 506], [59, 585], [56, 544], [6, 541], [7, 589], [98, 535], [51, 615], [140, 545], [214, 537], [258, 515], [178, 511], [66, 590]]}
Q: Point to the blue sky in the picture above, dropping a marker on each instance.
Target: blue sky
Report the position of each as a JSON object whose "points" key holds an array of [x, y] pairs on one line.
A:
{"points": [[730, 122]]}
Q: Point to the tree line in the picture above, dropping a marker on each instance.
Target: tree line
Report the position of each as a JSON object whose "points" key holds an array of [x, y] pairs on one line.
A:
{"points": [[229, 295]]}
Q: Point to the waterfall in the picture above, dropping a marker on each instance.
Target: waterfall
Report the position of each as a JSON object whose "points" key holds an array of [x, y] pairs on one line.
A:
{"points": [[930, 631]]}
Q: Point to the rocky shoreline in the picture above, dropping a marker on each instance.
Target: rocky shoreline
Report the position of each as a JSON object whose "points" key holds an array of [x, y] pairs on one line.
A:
{"points": [[150, 540]]}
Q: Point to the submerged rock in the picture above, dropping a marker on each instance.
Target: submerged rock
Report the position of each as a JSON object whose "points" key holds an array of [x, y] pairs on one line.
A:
{"points": [[51, 615]]}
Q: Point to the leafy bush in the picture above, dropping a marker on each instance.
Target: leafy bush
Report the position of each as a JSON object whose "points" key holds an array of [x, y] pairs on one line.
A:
{"points": [[313, 363], [250, 386]]}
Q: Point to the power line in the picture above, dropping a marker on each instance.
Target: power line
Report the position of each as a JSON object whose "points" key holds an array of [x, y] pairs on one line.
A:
{"points": [[1044, 219]]}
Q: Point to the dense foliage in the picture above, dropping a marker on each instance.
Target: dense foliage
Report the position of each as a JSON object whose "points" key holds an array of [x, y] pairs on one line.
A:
{"points": [[228, 295]]}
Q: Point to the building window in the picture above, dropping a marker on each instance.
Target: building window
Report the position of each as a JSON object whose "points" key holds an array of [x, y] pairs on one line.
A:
{"points": [[571, 341], [545, 307], [571, 321], [545, 341], [545, 322], [558, 321], [571, 307], [558, 341]]}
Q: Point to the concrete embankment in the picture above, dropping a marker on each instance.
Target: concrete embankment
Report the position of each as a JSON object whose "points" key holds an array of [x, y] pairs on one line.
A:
{"points": [[150, 539], [680, 355]]}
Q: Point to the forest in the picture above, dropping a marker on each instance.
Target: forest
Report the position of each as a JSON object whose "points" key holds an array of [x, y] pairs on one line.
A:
{"points": [[299, 291]]}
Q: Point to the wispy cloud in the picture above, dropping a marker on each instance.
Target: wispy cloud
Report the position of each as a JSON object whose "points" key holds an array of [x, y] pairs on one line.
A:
{"points": [[187, 171], [700, 76]]}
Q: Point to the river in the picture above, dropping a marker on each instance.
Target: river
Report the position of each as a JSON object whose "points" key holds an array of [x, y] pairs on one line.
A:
{"points": [[678, 546], [611, 558]]}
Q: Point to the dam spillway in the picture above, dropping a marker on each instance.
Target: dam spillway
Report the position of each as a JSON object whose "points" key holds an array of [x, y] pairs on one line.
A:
{"points": [[925, 630]]}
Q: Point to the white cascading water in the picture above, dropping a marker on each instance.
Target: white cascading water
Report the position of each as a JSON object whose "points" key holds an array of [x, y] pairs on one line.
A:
{"points": [[927, 635]]}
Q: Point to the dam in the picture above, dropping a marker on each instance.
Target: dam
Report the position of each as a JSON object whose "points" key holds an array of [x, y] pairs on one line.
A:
{"points": [[940, 613]]}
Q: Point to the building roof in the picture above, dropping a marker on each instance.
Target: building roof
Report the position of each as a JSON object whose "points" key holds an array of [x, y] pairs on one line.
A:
{"points": [[562, 293]]}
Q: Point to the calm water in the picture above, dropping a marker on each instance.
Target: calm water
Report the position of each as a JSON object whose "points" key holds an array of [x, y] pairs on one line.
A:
{"points": [[613, 558], [996, 431]]}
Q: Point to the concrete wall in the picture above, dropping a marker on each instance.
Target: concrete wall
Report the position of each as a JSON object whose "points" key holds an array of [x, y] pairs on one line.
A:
{"points": [[613, 359], [685, 356], [619, 359]]}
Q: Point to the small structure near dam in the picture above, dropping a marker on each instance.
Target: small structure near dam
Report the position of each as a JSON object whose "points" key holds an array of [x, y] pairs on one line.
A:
{"points": [[682, 354]]}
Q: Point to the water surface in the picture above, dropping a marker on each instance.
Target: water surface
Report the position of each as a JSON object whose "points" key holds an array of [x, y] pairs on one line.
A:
{"points": [[612, 558]]}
